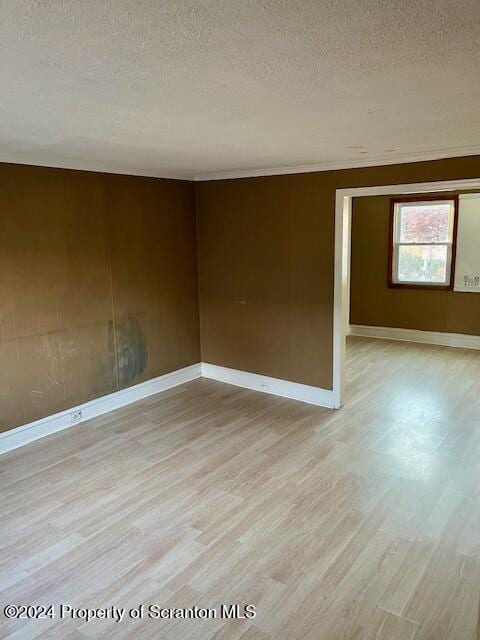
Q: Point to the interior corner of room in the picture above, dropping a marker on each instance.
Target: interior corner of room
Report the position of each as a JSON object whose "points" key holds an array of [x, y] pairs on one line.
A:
{"points": [[118, 287]]}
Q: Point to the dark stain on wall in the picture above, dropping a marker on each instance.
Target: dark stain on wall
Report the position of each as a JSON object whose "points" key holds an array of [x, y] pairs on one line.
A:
{"points": [[131, 349], [87, 259]]}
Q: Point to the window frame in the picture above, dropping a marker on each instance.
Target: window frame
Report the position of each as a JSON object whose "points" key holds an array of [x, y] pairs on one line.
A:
{"points": [[391, 243]]}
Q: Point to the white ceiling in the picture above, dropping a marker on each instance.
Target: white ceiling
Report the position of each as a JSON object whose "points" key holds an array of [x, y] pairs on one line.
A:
{"points": [[190, 88]]}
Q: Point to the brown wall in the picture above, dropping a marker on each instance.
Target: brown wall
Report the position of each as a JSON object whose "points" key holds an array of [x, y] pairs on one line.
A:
{"points": [[98, 286], [374, 303], [98, 278], [266, 249]]}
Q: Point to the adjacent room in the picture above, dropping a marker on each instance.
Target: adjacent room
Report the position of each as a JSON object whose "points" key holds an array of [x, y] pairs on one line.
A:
{"points": [[414, 273], [239, 320]]}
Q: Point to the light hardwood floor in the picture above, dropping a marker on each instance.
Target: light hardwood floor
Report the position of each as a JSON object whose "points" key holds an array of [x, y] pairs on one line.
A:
{"points": [[357, 524]]}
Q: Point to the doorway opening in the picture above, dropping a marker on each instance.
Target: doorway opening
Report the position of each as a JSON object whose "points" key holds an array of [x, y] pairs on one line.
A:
{"points": [[343, 226]]}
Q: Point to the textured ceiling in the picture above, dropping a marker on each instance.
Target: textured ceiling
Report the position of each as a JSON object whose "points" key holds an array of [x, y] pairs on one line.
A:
{"points": [[193, 87]]}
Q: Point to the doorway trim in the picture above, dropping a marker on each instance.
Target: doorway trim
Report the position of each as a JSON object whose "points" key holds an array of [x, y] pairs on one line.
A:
{"points": [[341, 298]]}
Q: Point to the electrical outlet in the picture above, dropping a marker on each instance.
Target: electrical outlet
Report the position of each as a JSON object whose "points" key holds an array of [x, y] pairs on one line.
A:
{"points": [[76, 416]]}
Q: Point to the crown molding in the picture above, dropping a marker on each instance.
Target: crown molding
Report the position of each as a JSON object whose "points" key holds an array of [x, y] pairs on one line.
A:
{"points": [[91, 168], [347, 164], [377, 161]]}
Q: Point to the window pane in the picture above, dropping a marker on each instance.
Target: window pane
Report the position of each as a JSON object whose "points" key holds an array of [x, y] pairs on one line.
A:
{"points": [[424, 222], [422, 263]]}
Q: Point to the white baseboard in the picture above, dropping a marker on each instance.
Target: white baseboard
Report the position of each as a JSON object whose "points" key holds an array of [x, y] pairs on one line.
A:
{"points": [[274, 386], [462, 340], [46, 426], [32, 431]]}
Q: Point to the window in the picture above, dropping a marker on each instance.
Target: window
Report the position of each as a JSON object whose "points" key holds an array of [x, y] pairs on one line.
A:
{"points": [[422, 242]]}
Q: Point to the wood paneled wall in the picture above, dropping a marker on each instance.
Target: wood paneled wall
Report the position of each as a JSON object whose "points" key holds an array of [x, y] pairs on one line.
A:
{"points": [[99, 289], [266, 252], [98, 286]]}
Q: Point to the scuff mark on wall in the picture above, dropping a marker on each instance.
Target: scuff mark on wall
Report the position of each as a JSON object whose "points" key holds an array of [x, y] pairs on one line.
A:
{"points": [[67, 282], [49, 351]]}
